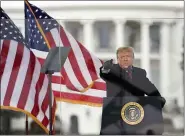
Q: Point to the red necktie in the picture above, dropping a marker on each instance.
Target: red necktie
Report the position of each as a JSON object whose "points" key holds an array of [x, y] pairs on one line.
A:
{"points": [[129, 73]]}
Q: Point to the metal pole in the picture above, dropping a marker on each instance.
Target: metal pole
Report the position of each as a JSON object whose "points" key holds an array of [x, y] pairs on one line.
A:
{"points": [[50, 104], [26, 124]]}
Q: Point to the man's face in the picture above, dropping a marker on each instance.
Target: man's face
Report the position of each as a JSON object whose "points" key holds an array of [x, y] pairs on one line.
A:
{"points": [[125, 59]]}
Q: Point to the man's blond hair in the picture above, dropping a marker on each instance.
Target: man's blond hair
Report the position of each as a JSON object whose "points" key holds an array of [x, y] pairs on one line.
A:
{"points": [[125, 49]]}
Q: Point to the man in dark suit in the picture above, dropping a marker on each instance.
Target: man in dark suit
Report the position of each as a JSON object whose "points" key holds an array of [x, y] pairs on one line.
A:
{"points": [[124, 79]]}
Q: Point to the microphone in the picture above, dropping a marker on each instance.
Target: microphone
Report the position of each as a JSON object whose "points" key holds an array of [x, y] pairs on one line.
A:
{"points": [[111, 61]]}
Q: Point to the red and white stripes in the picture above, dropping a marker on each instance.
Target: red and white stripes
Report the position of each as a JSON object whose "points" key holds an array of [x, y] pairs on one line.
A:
{"points": [[80, 71], [22, 84]]}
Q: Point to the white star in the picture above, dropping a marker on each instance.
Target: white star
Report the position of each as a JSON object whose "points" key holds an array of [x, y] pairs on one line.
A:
{"points": [[14, 37], [46, 28], [42, 11], [11, 26], [20, 37], [37, 41], [30, 25], [4, 36], [5, 28], [29, 39], [15, 31], [32, 30], [40, 37], [1, 32], [27, 10], [29, 15], [46, 16], [28, 20], [49, 23], [35, 26], [10, 32], [35, 35], [36, 10], [44, 22], [7, 22], [40, 16], [32, 20], [2, 17], [1, 24], [38, 31], [55, 24], [44, 42]]}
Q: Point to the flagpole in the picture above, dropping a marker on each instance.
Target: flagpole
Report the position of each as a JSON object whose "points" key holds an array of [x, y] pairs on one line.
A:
{"points": [[49, 72], [50, 102], [26, 124]]}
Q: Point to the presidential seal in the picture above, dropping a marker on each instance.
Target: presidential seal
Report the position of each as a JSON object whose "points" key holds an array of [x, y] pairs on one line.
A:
{"points": [[132, 113]]}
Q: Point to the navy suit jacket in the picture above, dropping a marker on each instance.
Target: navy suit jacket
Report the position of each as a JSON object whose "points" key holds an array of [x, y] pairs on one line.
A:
{"points": [[118, 85]]}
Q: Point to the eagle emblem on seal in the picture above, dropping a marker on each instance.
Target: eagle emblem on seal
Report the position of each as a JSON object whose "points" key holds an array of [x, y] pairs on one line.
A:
{"points": [[132, 113]]}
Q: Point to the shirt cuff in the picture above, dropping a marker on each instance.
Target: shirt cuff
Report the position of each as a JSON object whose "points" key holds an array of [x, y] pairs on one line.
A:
{"points": [[105, 71]]}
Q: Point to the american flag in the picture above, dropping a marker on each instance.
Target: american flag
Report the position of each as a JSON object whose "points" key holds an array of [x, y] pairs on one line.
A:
{"points": [[80, 73], [22, 86]]}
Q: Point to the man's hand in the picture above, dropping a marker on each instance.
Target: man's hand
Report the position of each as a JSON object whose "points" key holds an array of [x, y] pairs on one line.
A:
{"points": [[108, 64], [162, 100]]}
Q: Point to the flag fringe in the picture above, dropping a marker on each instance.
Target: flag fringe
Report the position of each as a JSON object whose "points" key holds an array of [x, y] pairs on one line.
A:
{"points": [[29, 114], [87, 88], [79, 102]]}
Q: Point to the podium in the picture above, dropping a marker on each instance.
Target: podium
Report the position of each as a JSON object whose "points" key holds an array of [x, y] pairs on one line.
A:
{"points": [[132, 115]]}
